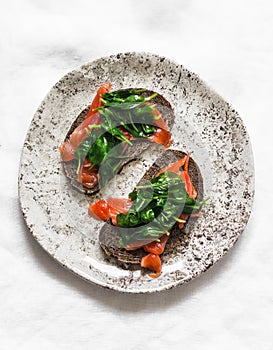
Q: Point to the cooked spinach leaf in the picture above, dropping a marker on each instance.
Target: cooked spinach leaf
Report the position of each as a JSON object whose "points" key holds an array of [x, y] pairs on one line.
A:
{"points": [[156, 207]]}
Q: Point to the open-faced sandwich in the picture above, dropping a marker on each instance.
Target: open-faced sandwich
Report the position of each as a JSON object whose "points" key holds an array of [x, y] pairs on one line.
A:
{"points": [[115, 129], [139, 227]]}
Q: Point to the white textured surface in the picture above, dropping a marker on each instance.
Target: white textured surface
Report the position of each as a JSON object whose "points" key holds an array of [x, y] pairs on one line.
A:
{"points": [[230, 46]]}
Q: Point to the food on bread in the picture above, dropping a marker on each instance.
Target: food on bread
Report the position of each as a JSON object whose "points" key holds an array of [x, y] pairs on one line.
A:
{"points": [[139, 227], [115, 129]]}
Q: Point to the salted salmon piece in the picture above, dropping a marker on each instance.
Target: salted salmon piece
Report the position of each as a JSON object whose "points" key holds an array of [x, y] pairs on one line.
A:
{"points": [[109, 208], [157, 247], [162, 137], [66, 151], [82, 130], [96, 103], [152, 262]]}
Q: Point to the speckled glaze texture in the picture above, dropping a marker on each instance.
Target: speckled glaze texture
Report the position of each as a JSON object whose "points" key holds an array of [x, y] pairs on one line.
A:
{"points": [[205, 125]]}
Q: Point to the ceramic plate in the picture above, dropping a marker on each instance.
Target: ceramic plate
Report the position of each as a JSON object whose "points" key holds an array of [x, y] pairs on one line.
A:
{"points": [[205, 125]]}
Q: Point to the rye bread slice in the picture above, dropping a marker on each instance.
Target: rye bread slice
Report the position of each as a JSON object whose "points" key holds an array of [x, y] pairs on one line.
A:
{"points": [[133, 152], [109, 235]]}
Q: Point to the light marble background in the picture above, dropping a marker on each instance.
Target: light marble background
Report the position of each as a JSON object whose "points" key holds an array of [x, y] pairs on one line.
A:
{"points": [[230, 45]]}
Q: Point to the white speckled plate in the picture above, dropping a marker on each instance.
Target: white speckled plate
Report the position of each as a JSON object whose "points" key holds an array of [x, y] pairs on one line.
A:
{"points": [[205, 125]]}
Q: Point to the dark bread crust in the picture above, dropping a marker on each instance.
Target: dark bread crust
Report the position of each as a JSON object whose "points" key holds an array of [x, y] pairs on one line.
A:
{"points": [[109, 235], [133, 152]]}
